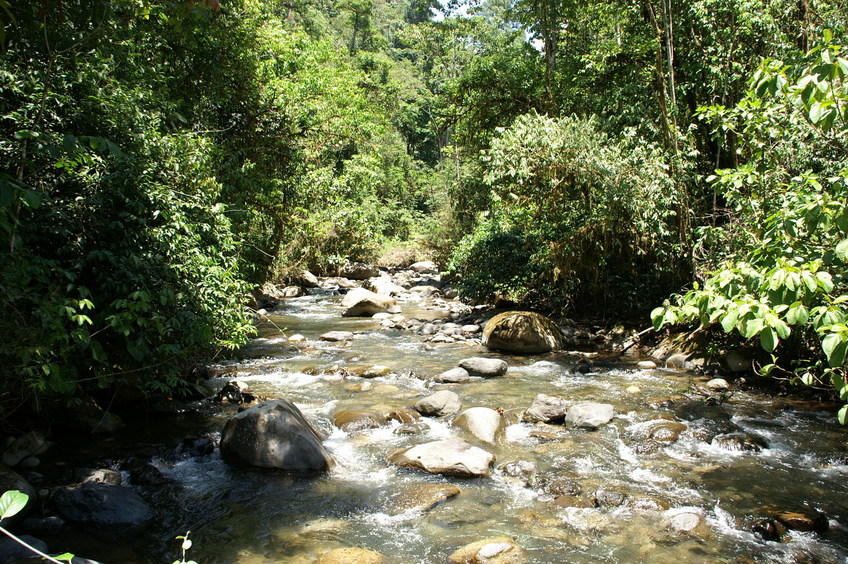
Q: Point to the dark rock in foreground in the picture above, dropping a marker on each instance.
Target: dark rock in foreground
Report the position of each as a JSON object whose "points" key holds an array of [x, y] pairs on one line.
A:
{"points": [[274, 434]]}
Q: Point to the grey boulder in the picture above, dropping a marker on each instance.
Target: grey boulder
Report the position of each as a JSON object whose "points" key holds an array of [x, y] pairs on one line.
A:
{"points": [[274, 434]]}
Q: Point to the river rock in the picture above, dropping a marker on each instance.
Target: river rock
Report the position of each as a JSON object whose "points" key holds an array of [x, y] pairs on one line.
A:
{"points": [[336, 336], [804, 520], [13, 551], [545, 409], [718, 385], [769, 529], [484, 423], [423, 497], [450, 457], [665, 431], [522, 332], [359, 271], [351, 420], [424, 291], [453, 376], [384, 286], [100, 475], [274, 434], [351, 556], [441, 403], [424, 267], [338, 282], [29, 444], [484, 367], [11, 480], [589, 414], [112, 512], [740, 441], [360, 302], [307, 279], [646, 365], [499, 550], [685, 521], [739, 360]]}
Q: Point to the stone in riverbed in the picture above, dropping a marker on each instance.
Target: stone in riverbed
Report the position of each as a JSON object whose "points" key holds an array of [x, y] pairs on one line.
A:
{"points": [[499, 550], [352, 420], [484, 367], [441, 403], [423, 497], [740, 442], [484, 423], [336, 336], [545, 409], [522, 332], [351, 556], [646, 365], [424, 266], [111, 512], [360, 302], [804, 520], [359, 271], [12, 551], [449, 457], [589, 414], [274, 434], [453, 376], [11, 480]]}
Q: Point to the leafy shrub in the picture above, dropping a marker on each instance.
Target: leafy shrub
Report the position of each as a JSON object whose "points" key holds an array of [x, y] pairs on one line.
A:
{"points": [[787, 290]]}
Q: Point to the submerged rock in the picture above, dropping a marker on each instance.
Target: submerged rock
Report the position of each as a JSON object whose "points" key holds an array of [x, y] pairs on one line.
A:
{"points": [[804, 520], [740, 442], [522, 332], [274, 434], [499, 550], [484, 423], [13, 551], [484, 367], [352, 420], [351, 556], [423, 497], [449, 457], [441, 403]]}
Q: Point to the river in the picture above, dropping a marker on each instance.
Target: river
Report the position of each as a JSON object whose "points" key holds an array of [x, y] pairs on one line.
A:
{"points": [[252, 516]]}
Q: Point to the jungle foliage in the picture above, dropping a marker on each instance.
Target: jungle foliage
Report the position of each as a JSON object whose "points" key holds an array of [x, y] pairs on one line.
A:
{"points": [[161, 158]]}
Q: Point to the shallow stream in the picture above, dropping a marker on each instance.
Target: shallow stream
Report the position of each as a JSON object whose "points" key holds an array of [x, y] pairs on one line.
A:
{"points": [[254, 516]]}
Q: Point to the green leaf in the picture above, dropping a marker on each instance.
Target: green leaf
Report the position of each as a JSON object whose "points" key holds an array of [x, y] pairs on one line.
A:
{"points": [[834, 347], [843, 414], [768, 339], [728, 322], [842, 250], [12, 502]]}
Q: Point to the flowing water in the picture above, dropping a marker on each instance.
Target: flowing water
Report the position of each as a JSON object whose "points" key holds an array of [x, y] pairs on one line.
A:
{"points": [[256, 516]]}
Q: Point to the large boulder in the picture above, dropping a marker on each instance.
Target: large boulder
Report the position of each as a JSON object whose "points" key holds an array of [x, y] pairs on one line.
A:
{"points": [[441, 403], [449, 457], [522, 332], [484, 367], [360, 302], [484, 423], [111, 512], [274, 434]]}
